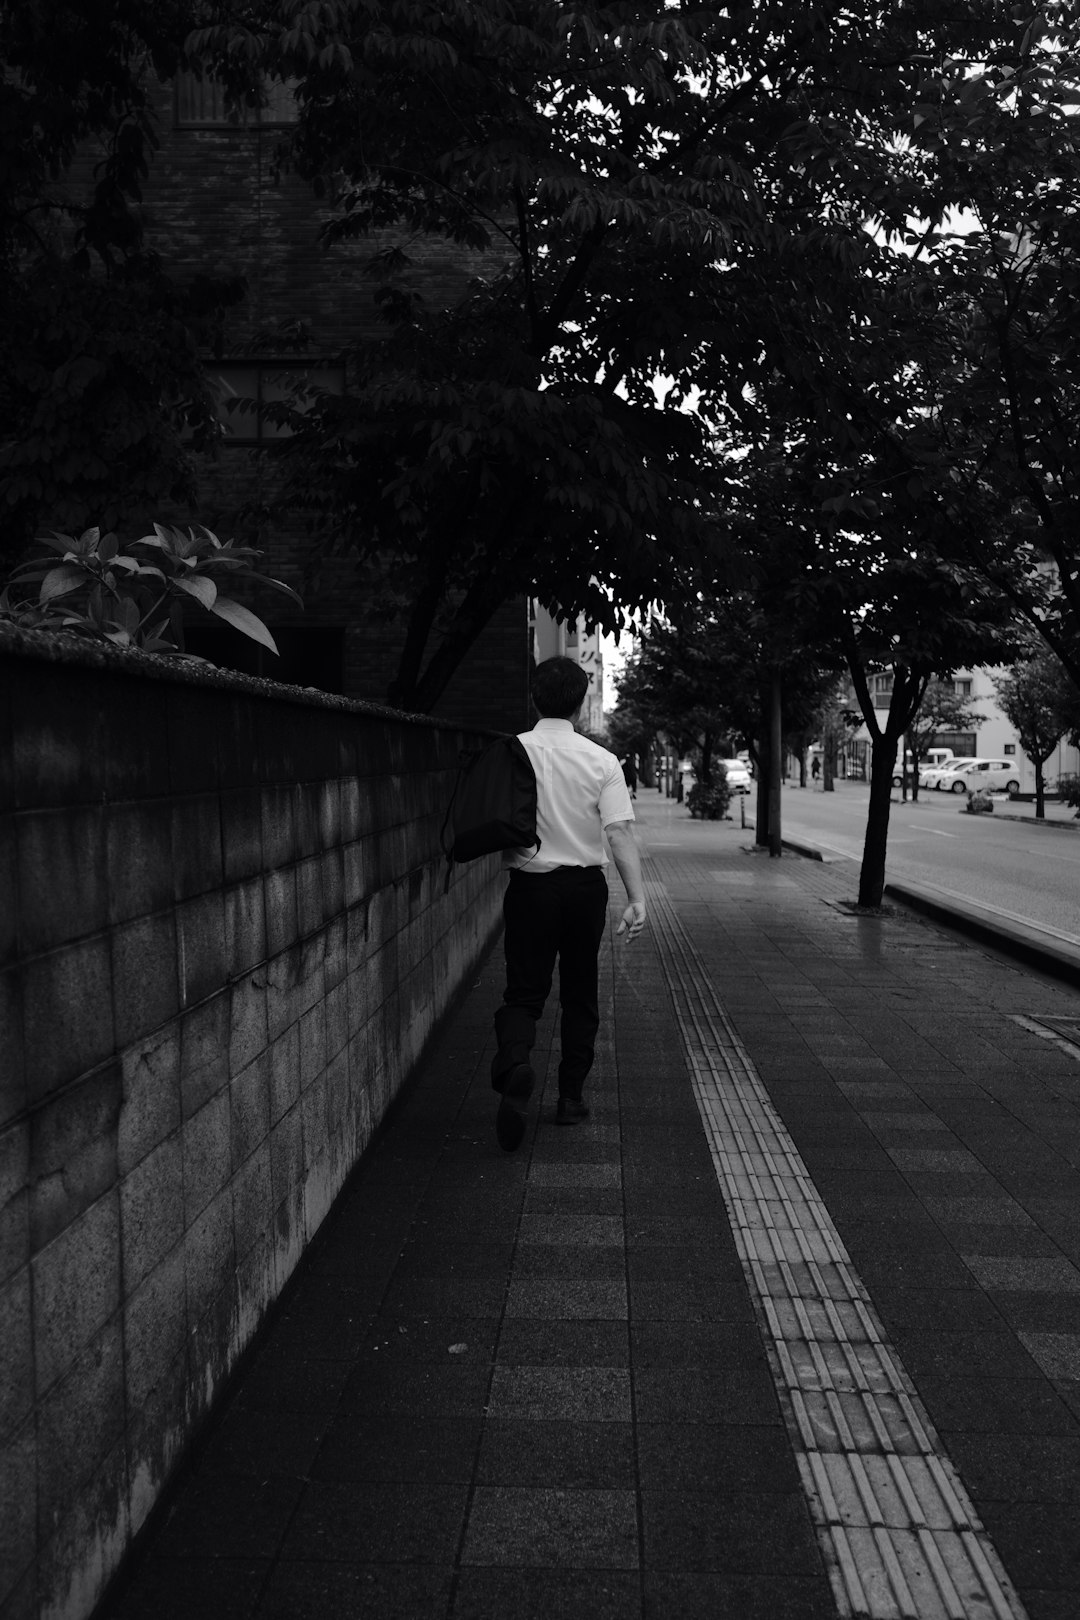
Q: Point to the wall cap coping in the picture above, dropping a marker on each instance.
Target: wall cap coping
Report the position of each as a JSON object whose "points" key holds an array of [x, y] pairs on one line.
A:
{"points": [[67, 647]]}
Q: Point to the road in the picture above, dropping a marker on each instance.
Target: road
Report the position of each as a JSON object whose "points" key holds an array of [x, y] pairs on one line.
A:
{"points": [[1029, 871]]}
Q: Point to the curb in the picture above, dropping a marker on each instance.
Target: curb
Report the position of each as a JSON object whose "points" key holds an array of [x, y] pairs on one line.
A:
{"points": [[1052, 953], [1047, 821], [809, 851]]}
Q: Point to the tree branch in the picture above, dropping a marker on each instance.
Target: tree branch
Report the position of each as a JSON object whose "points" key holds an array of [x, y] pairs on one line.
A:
{"points": [[857, 669], [525, 254], [567, 291]]}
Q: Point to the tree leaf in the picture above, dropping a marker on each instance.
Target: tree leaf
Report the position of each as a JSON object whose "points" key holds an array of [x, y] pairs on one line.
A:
{"points": [[59, 581], [63, 543], [241, 618], [204, 590], [280, 585]]}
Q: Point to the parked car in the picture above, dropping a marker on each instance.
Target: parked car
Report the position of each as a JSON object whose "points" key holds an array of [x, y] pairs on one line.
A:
{"points": [[986, 774], [738, 775], [931, 776]]}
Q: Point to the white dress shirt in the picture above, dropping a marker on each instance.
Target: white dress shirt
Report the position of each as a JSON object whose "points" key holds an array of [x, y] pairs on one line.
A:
{"points": [[580, 790]]}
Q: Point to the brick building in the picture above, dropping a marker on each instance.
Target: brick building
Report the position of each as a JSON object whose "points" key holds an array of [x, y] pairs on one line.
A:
{"points": [[215, 205]]}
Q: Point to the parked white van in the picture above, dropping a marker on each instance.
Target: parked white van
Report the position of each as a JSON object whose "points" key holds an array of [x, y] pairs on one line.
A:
{"points": [[932, 757]]}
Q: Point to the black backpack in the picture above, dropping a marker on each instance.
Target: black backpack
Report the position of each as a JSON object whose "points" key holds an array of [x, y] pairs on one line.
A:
{"points": [[493, 805]]}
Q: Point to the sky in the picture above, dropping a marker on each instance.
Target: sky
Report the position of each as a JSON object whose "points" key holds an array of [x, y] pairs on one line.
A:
{"points": [[614, 653]]}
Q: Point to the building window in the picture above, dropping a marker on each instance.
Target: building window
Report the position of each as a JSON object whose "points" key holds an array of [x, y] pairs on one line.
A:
{"points": [[881, 688], [247, 388], [200, 104], [962, 688], [1009, 750], [963, 743]]}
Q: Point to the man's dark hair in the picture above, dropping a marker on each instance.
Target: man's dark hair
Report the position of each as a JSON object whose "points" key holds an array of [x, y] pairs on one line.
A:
{"points": [[559, 686]]}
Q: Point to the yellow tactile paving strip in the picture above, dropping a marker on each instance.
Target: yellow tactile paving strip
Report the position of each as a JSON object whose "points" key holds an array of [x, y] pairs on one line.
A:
{"points": [[900, 1537]]}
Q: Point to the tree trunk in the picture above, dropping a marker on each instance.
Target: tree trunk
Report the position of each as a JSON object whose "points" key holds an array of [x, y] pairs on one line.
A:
{"points": [[441, 668], [909, 688], [402, 689], [764, 779], [775, 781], [872, 875], [1040, 791], [475, 611]]}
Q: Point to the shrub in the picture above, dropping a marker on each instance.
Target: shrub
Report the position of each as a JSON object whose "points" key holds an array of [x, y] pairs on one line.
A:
{"points": [[136, 597], [1068, 787], [708, 801]]}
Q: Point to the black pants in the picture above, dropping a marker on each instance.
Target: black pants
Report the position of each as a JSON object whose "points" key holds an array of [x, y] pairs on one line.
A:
{"points": [[547, 915]]}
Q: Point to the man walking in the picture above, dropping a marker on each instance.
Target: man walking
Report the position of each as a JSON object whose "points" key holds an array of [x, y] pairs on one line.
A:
{"points": [[556, 900]]}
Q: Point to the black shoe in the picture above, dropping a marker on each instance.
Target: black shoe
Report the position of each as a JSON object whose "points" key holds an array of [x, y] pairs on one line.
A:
{"points": [[510, 1119], [570, 1111]]}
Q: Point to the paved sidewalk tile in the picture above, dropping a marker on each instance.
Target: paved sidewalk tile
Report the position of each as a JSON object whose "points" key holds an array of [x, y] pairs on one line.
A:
{"points": [[559, 1383]]}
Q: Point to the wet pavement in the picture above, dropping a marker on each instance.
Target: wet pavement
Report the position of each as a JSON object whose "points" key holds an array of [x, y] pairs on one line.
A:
{"points": [[789, 1329]]}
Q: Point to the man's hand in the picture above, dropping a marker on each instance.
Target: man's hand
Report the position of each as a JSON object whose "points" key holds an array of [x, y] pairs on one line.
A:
{"points": [[633, 919]]}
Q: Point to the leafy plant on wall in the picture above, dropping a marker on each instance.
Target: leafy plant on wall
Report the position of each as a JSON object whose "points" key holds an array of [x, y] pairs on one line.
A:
{"points": [[138, 596]]}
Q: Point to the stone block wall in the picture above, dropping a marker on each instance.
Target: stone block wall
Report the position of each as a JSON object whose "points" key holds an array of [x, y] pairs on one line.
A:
{"points": [[223, 945]]}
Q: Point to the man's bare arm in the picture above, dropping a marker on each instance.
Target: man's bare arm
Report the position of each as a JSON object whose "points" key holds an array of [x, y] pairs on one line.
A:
{"points": [[624, 850]]}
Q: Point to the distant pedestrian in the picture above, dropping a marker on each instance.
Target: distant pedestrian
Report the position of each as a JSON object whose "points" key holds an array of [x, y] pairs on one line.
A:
{"points": [[629, 771], [556, 900], [815, 767]]}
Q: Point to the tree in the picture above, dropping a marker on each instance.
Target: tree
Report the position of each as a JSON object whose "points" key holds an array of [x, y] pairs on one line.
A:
{"points": [[947, 426], [1021, 382], [458, 490], [910, 557], [943, 708], [986, 304], [876, 564], [103, 398], [671, 687], [1041, 700], [665, 200], [632, 734], [835, 720], [705, 679], [920, 613], [512, 442]]}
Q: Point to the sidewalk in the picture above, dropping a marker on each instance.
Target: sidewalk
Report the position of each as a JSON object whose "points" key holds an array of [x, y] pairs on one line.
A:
{"points": [[789, 1330]]}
